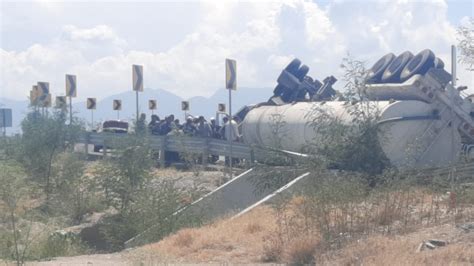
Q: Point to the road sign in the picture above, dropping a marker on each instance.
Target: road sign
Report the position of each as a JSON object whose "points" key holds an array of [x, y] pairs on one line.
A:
{"points": [[47, 101], [137, 73], [34, 95], [43, 91], [71, 86], [185, 106], [152, 104], [230, 74], [60, 102], [91, 103], [5, 117], [117, 105], [221, 108]]}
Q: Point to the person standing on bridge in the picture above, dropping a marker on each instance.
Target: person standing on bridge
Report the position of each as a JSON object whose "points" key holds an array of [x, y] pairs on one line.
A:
{"points": [[204, 130], [230, 130], [188, 128], [154, 125]]}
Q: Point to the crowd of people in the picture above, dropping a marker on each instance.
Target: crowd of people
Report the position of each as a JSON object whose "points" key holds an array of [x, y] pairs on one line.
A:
{"points": [[193, 126]]}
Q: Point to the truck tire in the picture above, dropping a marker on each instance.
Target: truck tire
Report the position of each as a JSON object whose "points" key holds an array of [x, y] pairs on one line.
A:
{"points": [[376, 71], [293, 66], [420, 64], [392, 72], [301, 73], [438, 63]]}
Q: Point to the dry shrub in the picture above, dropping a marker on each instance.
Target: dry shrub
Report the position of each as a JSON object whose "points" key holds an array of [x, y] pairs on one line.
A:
{"points": [[253, 228], [183, 238], [301, 251], [272, 249], [239, 240], [401, 250], [325, 228]]}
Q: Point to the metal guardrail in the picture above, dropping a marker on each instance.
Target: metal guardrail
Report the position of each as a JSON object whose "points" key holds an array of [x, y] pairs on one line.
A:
{"points": [[459, 171], [210, 146], [181, 144]]}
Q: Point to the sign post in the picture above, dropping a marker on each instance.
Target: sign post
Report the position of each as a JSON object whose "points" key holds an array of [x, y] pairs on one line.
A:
{"points": [[91, 105], [5, 119], [230, 85], [34, 97], [71, 91], [185, 108], [117, 106], [152, 106], [42, 95], [137, 78], [47, 103], [61, 103]]}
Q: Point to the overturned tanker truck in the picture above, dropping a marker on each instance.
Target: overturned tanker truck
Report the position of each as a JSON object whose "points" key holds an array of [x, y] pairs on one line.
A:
{"points": [[424, 119]]}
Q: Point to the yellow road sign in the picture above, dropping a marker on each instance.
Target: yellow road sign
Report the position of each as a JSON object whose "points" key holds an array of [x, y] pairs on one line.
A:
{"points": [[152, 104], [34, 95], [221, 107], [47, 101], [43, 92], [117, 105], [91, 103], [137, 75], [185, 106], [71, 86], [230, 74]]}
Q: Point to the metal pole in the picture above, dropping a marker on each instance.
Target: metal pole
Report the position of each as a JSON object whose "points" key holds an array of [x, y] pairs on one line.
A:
{"points": [[4, 122], [118, 115], [70, 110], [453, 65], [137, 105], [230, 131], [451, 96], [92, 119]]}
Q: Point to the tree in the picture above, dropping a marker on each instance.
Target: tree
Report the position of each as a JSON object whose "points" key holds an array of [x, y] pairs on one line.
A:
{"points": [[126, 170], [466, 44], [44, 137], [351, 145], [12, 192], [76, 192]]}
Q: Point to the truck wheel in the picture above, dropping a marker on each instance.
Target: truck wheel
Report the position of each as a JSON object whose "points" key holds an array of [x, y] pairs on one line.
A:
{"points": [[438, 63], [420, 64], [392, 72], [293, 66], [376, 71], [301, 73]]}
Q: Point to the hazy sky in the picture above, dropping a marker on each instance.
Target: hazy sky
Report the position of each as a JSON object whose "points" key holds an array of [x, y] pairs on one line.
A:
{"points": [[183, 44]]}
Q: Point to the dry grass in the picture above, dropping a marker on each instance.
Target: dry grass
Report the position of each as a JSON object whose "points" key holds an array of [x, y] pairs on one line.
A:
{"points": [[283, 236], [401, 249], [238, 240]]}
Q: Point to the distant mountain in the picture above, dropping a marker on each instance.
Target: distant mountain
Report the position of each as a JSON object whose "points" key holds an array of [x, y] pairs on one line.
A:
{"points": [[168, 103]]}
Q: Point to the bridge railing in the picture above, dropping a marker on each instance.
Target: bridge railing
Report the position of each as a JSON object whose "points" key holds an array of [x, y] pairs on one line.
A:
{"points": [[180, 144]]}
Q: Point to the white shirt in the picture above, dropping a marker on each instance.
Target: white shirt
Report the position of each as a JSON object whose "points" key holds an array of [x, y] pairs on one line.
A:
{"points": [[234, 131]]}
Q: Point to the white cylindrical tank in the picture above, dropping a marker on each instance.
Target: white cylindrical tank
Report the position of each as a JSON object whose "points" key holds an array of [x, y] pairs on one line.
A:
{"points": [[410, 135]]}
